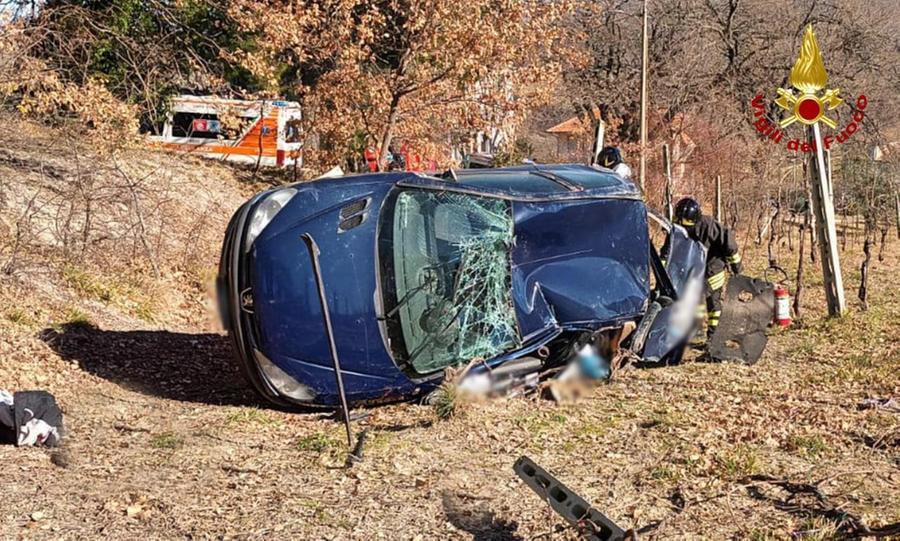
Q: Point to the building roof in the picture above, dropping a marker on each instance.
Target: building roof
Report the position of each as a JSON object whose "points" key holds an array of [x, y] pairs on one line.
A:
{"points": [[577, 124], [572, 125]]}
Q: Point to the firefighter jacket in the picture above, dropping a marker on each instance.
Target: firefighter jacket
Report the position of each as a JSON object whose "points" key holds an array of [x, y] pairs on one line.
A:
{"points": [[721, 247]]}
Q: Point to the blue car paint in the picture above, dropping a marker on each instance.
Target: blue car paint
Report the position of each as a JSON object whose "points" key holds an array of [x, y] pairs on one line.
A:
{"points": [[563, 276], [580, 261], [287, 309]]}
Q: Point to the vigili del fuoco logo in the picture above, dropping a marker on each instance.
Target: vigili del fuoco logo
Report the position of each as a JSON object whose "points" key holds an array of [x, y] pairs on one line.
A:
{"points": [[810, 105]]}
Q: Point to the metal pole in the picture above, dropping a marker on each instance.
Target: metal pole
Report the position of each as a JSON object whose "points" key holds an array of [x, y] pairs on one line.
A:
{"points": [[326, 315], [667, 167], [645, 60], [719, 198], [823, 207]]}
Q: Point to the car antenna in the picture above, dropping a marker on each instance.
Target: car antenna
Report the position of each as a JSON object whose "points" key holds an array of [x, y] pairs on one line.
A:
{"points": [[354, 452]]}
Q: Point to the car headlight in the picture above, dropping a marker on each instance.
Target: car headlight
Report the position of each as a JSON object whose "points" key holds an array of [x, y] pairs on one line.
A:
{"points": [[265, 212]]}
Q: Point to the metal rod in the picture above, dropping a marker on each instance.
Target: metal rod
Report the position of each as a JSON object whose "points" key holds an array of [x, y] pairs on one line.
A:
{"points": [[326, 315], [823, 207]]}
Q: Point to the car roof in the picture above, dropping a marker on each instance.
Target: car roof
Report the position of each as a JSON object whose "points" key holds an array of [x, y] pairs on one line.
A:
{"points": [[530, 181], [534, 178], [562, 181]]}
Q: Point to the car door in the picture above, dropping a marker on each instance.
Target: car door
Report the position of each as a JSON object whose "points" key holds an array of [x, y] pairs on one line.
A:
{"points": [[685, 263]]}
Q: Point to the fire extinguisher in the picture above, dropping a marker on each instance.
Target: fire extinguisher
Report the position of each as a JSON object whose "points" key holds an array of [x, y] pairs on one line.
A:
{"points": [[782, 315]]}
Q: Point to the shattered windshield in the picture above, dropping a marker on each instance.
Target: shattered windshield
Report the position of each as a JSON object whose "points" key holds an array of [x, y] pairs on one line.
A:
{"points": [[451, 287]]}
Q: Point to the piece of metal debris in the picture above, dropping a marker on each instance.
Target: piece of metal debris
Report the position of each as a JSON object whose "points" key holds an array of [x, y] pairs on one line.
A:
{"points": [[592, 524], [746, 314]]}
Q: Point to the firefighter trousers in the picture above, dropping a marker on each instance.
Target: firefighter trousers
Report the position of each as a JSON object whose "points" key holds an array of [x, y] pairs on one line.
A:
{"points": [[715, 285]]}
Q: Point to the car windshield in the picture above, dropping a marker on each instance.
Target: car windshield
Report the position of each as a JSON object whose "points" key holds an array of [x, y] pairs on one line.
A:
{"points": [[452, 298]]}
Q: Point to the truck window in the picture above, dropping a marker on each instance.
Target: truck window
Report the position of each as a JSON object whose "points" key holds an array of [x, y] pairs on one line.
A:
{"points": [[196, 125]]}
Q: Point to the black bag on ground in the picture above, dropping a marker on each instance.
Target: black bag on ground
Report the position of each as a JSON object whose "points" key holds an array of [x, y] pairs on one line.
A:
{"points": [[33, 418]]}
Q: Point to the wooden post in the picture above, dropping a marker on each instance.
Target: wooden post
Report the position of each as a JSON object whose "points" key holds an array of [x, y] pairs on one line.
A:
{"points": [[667, 168], [897, 205], [823, 209], [644, 62], [598, 141], [719, 198]]}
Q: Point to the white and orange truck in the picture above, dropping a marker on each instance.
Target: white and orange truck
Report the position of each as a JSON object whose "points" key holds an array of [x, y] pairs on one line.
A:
{"points": [[264, 132]]}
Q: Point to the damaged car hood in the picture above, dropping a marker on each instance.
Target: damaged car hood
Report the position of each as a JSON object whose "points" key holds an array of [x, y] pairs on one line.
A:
{"points": [[563, 278]]}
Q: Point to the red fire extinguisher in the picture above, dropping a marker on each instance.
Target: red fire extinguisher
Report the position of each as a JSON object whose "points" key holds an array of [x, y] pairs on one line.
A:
{"points": [[782, 315]]}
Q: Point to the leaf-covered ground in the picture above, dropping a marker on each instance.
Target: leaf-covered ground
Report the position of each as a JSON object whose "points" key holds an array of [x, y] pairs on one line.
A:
{"points": [[166, 441]]}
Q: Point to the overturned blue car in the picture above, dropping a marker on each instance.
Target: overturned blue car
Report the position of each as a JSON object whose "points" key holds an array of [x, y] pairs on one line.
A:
{"points": [[388, 279]]}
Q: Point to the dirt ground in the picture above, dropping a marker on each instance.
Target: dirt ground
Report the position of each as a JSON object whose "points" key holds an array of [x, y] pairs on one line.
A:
{"points": [[166, 441]]}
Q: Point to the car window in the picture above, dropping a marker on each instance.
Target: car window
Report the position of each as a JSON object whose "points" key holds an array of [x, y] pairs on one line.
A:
{"points": [[452, 278]]}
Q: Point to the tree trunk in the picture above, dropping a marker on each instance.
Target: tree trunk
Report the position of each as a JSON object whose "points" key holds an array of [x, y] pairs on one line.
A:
{"points": [[773, 261], [733, 215], [388, 134], [864, 273], [846, 232], [812, 238], [884, 234], [790, 235]]}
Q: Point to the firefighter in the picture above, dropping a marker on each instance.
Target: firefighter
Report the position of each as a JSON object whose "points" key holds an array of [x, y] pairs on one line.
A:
{"points": [[721, 252], [611, 158]]}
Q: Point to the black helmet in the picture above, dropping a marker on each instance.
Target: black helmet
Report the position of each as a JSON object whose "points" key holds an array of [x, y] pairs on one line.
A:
{"points": [[687, 211], [609, 157]]}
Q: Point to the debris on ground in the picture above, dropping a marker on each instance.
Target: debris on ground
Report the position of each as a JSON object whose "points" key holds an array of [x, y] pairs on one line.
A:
{"points": [[591, 523], [746, 315], [884, 404], [30, 418]]}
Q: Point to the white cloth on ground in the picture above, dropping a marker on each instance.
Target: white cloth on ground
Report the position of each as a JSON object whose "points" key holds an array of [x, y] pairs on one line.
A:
{"points": [[36, 432]]}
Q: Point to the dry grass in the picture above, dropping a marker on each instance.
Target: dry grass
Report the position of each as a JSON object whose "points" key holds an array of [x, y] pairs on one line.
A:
{"points": [[165, 441]]}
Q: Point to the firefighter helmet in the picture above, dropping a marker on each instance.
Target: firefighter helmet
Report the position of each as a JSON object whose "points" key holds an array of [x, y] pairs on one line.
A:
{"points": [[610, 157], [687, 211]]}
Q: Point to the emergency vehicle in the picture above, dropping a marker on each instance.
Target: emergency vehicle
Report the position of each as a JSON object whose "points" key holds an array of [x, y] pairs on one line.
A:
{"points": [[267, 132]]}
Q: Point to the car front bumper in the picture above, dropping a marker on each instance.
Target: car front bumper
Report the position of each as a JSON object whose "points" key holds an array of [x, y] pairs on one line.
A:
{"points": [[233, 292]]}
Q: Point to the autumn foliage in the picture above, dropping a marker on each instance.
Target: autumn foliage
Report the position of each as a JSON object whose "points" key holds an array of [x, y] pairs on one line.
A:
{"points": [[367, 72], [420, 70]]}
